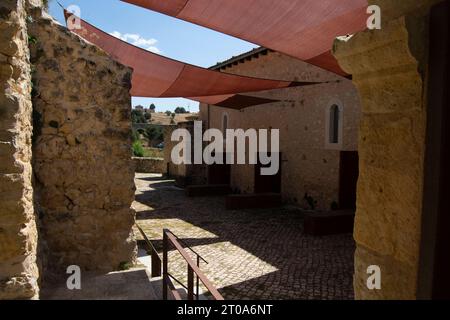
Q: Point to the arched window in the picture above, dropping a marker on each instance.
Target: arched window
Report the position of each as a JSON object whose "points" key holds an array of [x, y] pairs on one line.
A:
{"points": [[224, 123], [334, 124]]}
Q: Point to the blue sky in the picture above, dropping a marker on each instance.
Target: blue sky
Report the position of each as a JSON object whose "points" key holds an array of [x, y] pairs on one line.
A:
{"points": [[159, 33]]}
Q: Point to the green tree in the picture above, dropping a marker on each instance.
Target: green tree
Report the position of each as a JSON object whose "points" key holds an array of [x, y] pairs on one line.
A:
{"points": [[137, 116], [180, 110], [154, 133], [135, 136], [152, 107]]}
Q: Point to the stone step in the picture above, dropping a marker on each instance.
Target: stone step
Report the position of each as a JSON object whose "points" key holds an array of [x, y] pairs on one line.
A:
{"points": [[133, 284]]}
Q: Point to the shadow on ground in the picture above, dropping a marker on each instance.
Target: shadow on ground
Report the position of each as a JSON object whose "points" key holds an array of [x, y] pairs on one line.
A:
{"points": [[253, 254]]}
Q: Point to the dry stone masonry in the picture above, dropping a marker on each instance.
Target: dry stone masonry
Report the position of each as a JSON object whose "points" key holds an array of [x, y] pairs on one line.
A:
{"points": [[18, 233], [149, 165], [66, 174], [82, 155]]}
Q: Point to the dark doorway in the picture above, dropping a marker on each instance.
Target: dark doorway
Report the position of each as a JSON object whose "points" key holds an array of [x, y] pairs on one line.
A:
{"points": [[348, 179], [219, 174], [267, 184], [434, 275]]}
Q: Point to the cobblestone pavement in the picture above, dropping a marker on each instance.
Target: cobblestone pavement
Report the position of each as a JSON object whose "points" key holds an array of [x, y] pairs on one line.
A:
{"points": [[252, 254]]}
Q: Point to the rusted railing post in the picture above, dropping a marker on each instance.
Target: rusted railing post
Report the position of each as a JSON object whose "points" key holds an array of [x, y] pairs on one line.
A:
{"points": [[165, 263], [155, 260], [198, 280], [190, 283], [169, 237], [156, 265]]}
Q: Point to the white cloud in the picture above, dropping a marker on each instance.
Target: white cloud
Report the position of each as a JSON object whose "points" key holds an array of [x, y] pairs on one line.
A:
{"points": [[137, 40]]}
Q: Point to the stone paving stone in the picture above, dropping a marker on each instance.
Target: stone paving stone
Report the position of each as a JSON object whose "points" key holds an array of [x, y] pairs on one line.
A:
{"points": [[252, 254], [133, 284]]}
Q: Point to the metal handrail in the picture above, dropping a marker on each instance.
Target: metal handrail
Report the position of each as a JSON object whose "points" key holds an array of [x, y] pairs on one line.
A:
{"points": [[156, 260], [173, 290], [156, 267], [199, 257], [188, 247], [150, 244], [177, 281], [168, 236]]}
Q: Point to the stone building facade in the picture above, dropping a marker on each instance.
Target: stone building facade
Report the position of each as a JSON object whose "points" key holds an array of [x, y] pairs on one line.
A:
{"points": [[184, 174], [310, 161], [66, 174]]}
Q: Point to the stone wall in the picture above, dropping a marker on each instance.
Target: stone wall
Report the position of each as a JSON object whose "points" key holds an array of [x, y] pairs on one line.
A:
{"points": [[389, 70], [172, 170], [183, 174], [18, 233], [310, 165], [82, 151], [149, 165]]}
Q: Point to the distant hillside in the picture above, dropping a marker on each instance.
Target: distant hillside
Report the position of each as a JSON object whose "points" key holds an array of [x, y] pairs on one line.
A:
{"points": [[161, 118]]}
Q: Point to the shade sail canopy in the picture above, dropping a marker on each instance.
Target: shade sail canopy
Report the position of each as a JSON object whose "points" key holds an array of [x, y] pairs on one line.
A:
{"points": [[160, 77], [304, 29], [235, 101]]}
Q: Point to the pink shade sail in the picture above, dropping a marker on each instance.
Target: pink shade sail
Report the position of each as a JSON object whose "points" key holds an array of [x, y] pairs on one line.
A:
{"points": [[304, 29], [160, 77]]}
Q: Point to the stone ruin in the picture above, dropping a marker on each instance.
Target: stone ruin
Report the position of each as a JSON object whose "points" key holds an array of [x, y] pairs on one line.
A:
{"points": [[66, 174]]}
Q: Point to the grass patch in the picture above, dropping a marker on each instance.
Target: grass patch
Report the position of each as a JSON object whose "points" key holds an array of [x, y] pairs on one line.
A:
{"points": [[138, 149], [153, 153]]}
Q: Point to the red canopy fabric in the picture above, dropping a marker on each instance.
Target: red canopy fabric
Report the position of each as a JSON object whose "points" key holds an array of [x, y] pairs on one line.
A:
{"points": [[235, 101], [161, 77], [304, 29]]}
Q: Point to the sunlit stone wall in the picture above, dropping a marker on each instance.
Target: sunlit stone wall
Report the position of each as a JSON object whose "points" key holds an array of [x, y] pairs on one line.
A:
{"points": [[18, 234], [310, 165], [82, 151], [389, 69]]}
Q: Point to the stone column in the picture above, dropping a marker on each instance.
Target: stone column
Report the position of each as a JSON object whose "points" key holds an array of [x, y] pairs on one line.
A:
{"points": [[389, 70], [18, 234]]}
